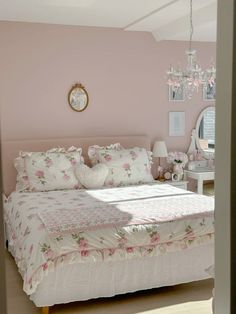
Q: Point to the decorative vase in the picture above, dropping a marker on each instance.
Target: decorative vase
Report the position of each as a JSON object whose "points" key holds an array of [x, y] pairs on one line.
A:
{"points": [[178, 169]]}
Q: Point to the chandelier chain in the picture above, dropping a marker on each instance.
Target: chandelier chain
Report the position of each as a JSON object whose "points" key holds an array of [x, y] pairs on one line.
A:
{"points": [[191, 24]]}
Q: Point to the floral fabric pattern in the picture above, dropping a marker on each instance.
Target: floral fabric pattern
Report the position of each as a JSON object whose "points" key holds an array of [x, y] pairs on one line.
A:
{"points": [[50, 163], [93, 152], [36, 253], [92, 213], [126, 166]]}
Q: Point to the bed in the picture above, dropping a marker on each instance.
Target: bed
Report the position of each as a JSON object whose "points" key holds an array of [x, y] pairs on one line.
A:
{"points": [[138, 252]]}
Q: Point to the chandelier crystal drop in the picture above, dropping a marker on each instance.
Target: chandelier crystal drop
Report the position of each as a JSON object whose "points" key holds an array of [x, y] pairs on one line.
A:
{"points": [[191, 78]]}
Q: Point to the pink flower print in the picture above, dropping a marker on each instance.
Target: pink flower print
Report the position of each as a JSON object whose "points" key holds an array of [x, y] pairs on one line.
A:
{"points": [[49, 254], [155, 238], [84, 253], [39, 174], [126, 166], [14, 236], [48, 162], [83, 243], [47, 251], [25, 178], [76, 187], [73, 162], [189, 232], [45, 266], [31, 249], [129, 250], [110, 183], [107, 157], [122, 242], [66, 177]]}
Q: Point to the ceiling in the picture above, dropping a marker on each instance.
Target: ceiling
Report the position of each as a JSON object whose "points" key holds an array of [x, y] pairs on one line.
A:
{"points": [[165, 19]]}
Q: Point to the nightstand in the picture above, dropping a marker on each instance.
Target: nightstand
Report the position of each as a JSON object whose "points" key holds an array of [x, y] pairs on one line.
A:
{"points": [[200, 174], [179, 184]]}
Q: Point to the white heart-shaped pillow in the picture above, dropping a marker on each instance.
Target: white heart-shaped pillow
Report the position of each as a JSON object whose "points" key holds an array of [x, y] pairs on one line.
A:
{"points": [[92, 178]]}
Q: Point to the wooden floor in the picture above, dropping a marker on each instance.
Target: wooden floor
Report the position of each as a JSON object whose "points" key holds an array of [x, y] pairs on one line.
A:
{"points": [[193, 298], [208, 189]]}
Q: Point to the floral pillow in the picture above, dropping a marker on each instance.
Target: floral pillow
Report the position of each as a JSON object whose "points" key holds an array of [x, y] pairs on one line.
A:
{"points": [[95, 150], [22, 181], [26, 180], [126, 166]]}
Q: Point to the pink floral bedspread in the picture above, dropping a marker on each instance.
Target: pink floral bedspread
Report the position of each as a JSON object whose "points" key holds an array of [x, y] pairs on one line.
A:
{"points": [[92, 214], [188, 222]]}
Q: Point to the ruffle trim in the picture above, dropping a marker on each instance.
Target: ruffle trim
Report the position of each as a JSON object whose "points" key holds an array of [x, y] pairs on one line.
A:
{"points": [[32, 281]]}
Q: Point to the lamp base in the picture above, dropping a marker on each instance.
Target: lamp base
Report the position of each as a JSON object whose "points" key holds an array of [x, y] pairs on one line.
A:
{"points": [[160, 178]]}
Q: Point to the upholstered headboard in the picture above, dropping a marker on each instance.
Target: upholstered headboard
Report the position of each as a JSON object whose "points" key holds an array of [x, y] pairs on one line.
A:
{"points": [[10, 150]]}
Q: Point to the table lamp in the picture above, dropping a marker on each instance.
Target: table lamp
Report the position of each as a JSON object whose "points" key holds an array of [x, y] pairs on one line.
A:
{"points": [[159, 151]]}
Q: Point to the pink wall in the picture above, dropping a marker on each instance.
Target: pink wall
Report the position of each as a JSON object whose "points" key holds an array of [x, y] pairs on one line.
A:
{"points": [[124, 73]]}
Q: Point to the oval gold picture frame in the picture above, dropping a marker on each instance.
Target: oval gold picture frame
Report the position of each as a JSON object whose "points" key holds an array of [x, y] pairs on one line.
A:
{"points": [[78, 97]]}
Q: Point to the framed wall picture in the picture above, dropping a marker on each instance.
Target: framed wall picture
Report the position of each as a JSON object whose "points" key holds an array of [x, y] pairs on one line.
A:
{"points": [[176, 123], [209, 92], [78, 97], [176, 93]]}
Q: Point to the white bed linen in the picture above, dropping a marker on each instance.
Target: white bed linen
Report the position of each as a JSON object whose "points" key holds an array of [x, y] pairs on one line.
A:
{"points": [[37, 254], [106, 279]]}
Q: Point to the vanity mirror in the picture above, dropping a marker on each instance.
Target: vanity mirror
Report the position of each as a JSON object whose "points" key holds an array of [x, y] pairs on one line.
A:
{"points": [[203, 136]]}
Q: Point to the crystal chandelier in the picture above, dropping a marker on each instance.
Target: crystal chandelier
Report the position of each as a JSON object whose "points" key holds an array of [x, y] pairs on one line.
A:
{"points": [[191, 78]]}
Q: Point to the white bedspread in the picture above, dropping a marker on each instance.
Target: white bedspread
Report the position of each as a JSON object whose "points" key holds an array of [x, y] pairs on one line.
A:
{"points": [[36, 252]]}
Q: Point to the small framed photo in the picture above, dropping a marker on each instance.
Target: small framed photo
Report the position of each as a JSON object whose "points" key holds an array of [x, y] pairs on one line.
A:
{"points": [[176, 93], [176, 123], [209, 92]]}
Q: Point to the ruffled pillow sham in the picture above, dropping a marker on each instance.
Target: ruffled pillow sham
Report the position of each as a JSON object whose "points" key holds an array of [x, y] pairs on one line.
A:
{"points": [[126, 166], [94, 151], [50, 170]]}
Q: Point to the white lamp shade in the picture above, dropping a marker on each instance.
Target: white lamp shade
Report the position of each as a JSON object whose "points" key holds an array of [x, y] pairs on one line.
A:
{"points": [[159, 149]]}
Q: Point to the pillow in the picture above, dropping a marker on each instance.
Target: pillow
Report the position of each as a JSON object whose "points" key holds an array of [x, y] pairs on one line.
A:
{"points": [[93, 151], [73, 154], [22, 181], [92, 178], [126, 166]]}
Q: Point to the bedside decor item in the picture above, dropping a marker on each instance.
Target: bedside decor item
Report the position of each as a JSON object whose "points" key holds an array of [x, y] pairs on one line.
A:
{"points": [[160, 151], [78, 97], [167, 175], [193, 76], [176, 123], [176, 176], [179, 160]]}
